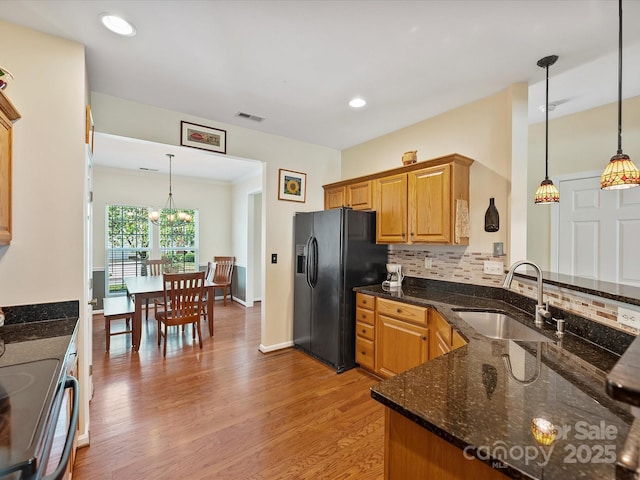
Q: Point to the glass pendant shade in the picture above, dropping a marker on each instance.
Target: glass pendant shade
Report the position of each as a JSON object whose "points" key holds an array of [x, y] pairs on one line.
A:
{"points": [[547, 193], [620, 173]]}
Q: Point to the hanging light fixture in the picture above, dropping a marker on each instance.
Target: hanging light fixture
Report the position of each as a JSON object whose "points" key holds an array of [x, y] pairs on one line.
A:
{"points": [[547, 191], [171, 213], [620, 172]]}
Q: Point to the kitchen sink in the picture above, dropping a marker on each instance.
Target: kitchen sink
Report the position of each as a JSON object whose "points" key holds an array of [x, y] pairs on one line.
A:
{"points": [[495, 324]]}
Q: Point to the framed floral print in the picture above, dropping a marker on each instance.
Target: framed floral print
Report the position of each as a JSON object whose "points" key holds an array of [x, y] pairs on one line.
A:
{"points": [[292, 186]]}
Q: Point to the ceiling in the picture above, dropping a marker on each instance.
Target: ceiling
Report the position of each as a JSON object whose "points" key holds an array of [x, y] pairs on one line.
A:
{"points": [[298, 63]]}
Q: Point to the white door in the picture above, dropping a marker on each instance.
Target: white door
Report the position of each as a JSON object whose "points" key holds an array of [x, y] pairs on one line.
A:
{"points": [[598, 231]]}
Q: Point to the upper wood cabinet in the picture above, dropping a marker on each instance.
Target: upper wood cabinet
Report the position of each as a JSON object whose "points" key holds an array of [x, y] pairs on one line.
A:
{"points": [[391, 209], [358, 195], [8, 115], [334, 197], [414, 204]]}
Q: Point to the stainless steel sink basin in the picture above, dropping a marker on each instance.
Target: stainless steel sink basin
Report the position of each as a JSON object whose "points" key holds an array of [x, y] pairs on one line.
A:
{"points": [[501, 326]]}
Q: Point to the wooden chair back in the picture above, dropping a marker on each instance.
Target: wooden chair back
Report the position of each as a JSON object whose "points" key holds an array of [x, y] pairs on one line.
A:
{"points": [[183, 294], [224, 270], [155, 267]]}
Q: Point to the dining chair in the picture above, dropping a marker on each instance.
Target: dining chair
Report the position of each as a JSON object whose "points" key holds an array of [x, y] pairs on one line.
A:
{"points": [[154, 267], [223, 276], [182, 295]]}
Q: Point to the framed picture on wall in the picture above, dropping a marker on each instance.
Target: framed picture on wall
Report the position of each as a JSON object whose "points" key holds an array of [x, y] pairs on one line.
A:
{"points": [[292, 186], [202, 137]]}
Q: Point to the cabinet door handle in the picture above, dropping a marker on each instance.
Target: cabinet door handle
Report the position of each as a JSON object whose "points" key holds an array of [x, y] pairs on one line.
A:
{"points": [[424, 337], [412, 234], [364, 330]]}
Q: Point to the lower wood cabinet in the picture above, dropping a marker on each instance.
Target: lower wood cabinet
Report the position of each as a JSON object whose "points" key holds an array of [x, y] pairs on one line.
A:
{"points": [[392, 336], [411, 451], [365, 331], [400, 345]]}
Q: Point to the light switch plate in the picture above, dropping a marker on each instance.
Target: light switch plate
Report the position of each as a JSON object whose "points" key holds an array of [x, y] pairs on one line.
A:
{"points": [[428, 262], [493, 268], [498, 249], [628, 317]]}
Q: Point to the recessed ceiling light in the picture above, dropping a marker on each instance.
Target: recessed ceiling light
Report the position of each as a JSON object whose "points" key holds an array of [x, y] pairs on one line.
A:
{"points": [[357, 102], [117, 25]]}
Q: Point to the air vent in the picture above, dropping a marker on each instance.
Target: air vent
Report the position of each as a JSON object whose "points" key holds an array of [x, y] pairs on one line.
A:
{"points": [[149, 169], [248, 116]]}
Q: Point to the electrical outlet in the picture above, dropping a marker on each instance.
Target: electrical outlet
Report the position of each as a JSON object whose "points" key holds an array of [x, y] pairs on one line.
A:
{"points": [[628, 317], [493, 268], [428, 262]]}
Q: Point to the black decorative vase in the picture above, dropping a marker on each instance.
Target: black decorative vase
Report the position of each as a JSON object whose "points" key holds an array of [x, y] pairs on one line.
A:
{"points": [[491, 218]]}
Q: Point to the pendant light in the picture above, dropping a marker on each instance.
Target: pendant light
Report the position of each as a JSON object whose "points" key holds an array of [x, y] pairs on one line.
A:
{"points": [[171, 213], [620, 172], [547, 191]]}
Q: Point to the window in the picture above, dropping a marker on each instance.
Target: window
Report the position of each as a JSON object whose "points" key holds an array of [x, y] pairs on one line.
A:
{"points": [[131, 239]]}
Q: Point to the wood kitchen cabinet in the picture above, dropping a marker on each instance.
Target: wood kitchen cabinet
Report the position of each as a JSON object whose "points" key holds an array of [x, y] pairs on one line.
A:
{"points": [[411, 451], [393, 336], [360, 195], [8, 115], [334, 197], [391, 209], [420, 206], [365, 331], [357, 195], [402, 337], [414, 204]]}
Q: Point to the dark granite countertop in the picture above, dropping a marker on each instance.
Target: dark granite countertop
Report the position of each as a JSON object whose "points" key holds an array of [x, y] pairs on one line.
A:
{"points": [[469, 398], [613, 291]]}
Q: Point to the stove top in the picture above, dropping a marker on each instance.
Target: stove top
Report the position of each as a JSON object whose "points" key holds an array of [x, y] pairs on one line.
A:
{"points": [[25, 390]]}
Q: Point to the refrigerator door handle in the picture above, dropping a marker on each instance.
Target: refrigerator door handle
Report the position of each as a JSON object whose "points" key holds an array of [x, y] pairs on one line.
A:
{"points": [[308, 262], [314, 269]]}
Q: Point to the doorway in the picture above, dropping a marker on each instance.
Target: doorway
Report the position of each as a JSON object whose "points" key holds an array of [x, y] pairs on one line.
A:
{"points": [[595, 232]]}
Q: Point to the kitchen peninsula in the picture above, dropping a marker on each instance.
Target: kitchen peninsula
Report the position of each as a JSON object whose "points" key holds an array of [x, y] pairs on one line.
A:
{"points": [[468, 414]]}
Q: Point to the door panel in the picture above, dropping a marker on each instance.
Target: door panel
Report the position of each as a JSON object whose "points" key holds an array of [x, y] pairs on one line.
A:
{"points": [[325, 313], [303, 227], [429, 202], [598, 231], [391, 208]]}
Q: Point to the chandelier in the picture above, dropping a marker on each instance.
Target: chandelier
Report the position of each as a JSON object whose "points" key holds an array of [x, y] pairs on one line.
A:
{"points": [[171, 214]]}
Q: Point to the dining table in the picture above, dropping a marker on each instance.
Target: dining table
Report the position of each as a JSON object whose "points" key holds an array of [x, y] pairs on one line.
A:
{"points": [[151, 286]]}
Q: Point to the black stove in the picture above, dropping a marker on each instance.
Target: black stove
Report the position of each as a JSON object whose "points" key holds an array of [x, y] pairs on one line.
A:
{"points": [[26, 390]]}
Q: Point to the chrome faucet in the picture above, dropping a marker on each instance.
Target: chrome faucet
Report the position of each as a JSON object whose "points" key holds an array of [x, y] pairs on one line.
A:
{"points": [[542, 309]]}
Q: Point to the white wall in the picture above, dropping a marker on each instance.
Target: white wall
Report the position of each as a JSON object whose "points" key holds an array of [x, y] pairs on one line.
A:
{"points": [[243, 231], [321, 164], [45, 261], [113, 186]]}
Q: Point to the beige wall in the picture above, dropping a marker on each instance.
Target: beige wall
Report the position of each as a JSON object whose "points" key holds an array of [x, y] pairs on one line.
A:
{"points": [[45, 261], [321, 164], [581, 142], [481, 130]]}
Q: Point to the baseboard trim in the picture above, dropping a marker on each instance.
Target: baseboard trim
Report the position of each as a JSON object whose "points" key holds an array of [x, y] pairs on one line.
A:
{"points": [[273, 348], [83, 439]]}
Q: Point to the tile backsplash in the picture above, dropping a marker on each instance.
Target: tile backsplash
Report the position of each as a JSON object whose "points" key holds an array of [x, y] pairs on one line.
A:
{"points": [[449, 265], [468, 267]]}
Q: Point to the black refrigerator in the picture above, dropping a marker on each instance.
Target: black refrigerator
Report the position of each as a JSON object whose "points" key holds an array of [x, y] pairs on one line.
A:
{"points": [[335, 250]]}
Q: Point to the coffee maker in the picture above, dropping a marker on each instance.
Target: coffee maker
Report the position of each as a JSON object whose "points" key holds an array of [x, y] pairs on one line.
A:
{"points": [[394, 276]]}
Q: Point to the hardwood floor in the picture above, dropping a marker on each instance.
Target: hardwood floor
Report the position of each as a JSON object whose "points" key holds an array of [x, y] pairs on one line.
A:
{"points": [[226, 411]]}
